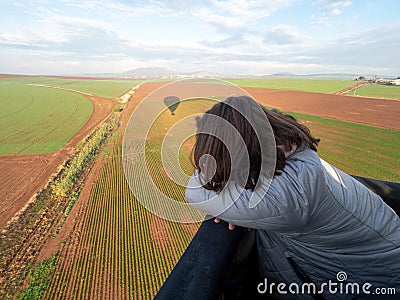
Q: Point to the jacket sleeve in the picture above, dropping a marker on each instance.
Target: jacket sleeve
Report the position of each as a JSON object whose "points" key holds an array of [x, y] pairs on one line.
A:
{"points": [[281, 208]]}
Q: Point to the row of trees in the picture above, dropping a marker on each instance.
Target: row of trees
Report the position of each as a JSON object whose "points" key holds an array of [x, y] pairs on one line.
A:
{"points": [[86, 154]]}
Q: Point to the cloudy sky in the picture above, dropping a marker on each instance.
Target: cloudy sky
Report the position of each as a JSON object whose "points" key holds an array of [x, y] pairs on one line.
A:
{"points": [[230, 37]]}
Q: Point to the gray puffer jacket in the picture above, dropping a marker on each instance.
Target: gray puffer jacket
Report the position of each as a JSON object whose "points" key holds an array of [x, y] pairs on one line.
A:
{"points": [[323, 219]]}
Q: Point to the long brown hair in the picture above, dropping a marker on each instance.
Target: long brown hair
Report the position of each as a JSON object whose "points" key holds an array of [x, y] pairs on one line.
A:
{"points": [[286, 129]]}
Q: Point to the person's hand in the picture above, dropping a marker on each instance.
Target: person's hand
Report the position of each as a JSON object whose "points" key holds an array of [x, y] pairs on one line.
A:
{"points": [[230, 225]]}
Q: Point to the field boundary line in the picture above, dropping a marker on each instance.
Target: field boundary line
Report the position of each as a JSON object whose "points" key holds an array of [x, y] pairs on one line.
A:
{"points": [[370, 97], [352, 88], [59, 88]]}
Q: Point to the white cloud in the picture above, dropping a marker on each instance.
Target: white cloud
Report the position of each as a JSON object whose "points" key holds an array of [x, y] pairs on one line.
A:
{"points": [[374, 49], [246, 10], [283, 35], [328, 10], [332, 6], [235, 15], [20, 39], [320, 19], [72, 63], [152, 8]]}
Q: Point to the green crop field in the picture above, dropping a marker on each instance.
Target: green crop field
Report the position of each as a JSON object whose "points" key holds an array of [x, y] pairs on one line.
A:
{"points": [[101, 88], [39, 120], [357, 149], [124, 251], [378, 91], [326, 86]]}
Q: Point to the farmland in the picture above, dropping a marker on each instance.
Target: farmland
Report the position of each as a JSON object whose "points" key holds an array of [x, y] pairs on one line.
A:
{"points": [[118, 249], [356, 148], [370, 111], [325, 86], [35, 120], [24, 236], [378, 91], [111, 247], [106, 88]]}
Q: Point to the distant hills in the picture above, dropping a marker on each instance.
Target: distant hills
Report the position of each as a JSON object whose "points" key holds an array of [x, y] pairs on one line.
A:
{"points": [[320, 76], [157, 72], [149, 72], [154, 72]]}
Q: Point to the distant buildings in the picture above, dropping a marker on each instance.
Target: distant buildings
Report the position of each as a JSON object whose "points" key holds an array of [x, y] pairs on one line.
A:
{"points": [[387, 81]]}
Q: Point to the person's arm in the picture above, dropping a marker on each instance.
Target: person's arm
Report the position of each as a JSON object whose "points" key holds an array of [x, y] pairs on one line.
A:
{"points": [[281, 209]]}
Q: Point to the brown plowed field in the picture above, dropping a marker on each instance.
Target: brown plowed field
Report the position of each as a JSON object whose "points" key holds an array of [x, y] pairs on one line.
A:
{"points": [[377, 112], [64, 77], [23, 175], [13, 76]]}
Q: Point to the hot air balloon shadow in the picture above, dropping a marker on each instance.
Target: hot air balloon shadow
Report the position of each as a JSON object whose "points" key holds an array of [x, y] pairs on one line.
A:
{"points": [[172, 103]]}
